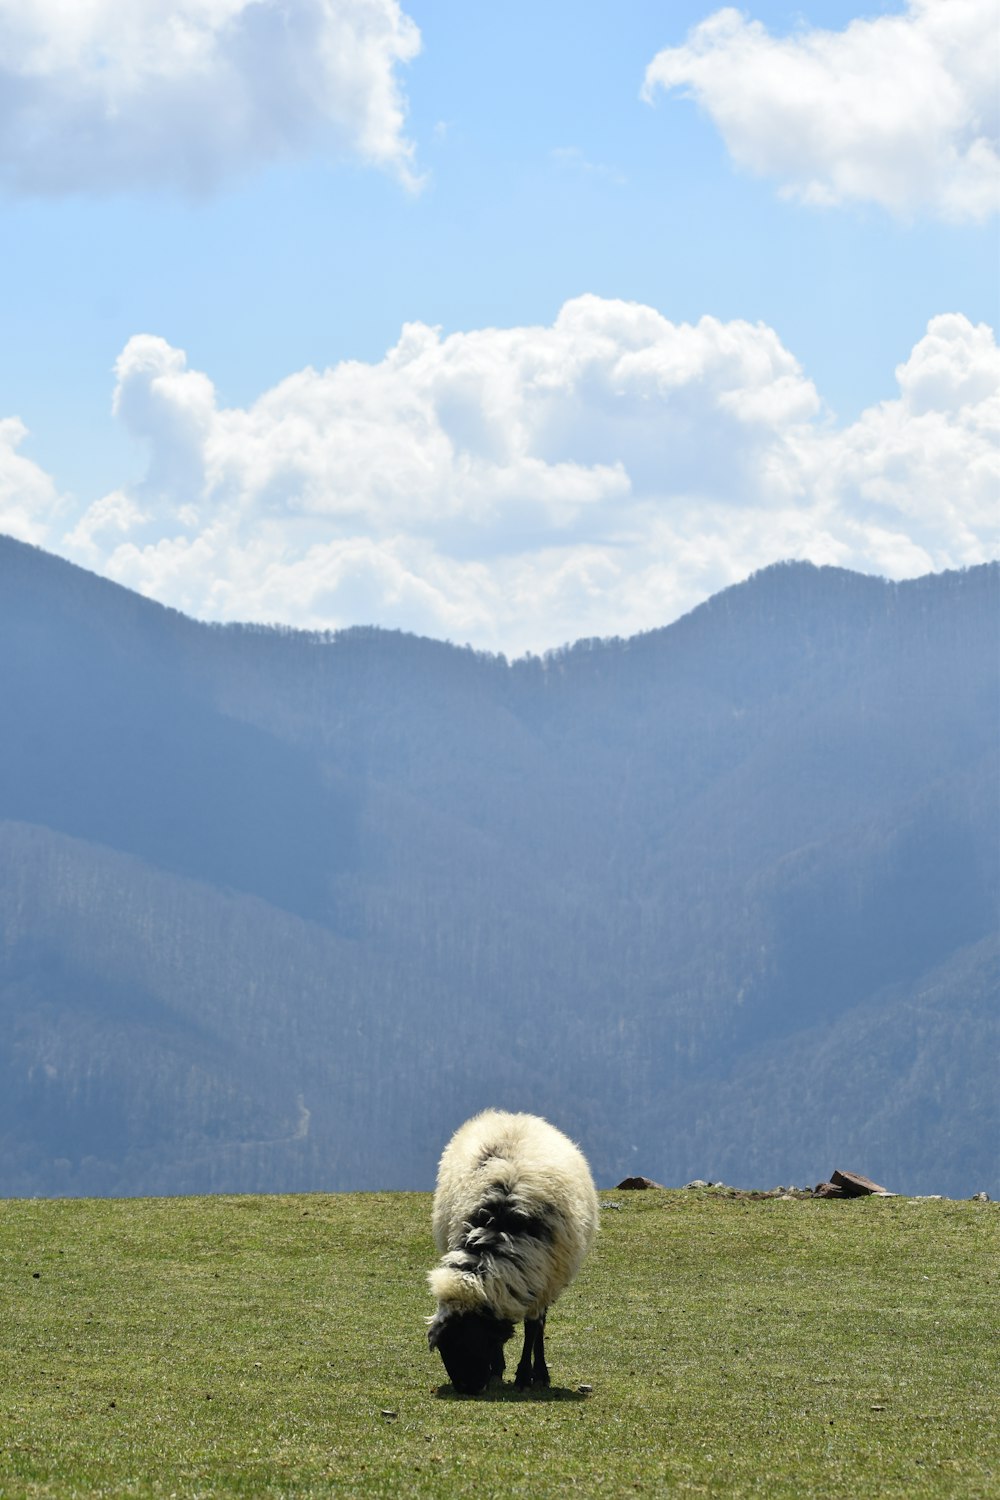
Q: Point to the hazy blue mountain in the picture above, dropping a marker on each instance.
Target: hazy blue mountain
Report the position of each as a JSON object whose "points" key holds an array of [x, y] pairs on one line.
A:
{"points": [[277, 910]]}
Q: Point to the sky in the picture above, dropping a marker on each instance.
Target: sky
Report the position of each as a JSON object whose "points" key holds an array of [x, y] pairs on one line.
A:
{"points": [[507, 325]]}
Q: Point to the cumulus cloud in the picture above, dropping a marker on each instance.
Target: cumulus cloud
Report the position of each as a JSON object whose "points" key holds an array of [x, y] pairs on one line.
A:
{"points": [[29, 500], [900, 110], [924, 471], [518, 487], [101, 95], [537, 431], [521, 487]]}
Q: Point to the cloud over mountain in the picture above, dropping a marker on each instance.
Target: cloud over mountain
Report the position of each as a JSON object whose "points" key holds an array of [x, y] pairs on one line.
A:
{"points": [[28, 497], [901, 110], [122, 94], [518, 487]]}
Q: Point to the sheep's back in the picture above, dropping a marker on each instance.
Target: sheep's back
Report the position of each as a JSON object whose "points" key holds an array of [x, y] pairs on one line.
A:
{"points": [[520, 1166]]}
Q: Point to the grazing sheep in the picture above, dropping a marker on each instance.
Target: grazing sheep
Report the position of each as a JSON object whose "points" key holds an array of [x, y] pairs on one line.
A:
{"points": [[515, 1211]]}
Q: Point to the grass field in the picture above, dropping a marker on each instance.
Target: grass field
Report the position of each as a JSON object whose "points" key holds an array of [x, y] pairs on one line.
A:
{"points": [[275, 1346]]}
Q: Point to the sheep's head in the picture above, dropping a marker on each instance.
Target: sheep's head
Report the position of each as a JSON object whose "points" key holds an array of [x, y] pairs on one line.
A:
{"points": [[471, 1345]]}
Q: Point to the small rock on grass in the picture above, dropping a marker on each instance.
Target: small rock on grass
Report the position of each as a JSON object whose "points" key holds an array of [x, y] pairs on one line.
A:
{"points": [[856, 1186]]}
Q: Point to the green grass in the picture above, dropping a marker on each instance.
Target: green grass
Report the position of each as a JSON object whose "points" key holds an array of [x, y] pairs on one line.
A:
{"points": [[253, 1346]]}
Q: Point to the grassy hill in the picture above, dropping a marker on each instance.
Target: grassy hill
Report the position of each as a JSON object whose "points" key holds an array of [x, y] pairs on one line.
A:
{"points": [[274, 1347]]}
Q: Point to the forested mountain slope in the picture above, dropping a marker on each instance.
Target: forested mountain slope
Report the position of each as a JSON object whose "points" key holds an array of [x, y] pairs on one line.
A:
{"points": [[278, 910]]}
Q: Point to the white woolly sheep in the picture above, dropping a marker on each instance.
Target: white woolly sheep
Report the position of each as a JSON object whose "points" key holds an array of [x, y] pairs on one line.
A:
{"points": [[515, 1211]]}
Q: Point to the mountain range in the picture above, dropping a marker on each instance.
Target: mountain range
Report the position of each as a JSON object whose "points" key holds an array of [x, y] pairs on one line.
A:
{"points": [[278, 910]]}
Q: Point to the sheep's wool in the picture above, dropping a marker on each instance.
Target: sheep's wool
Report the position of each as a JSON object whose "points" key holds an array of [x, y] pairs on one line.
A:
{"points": [[515, 1211]]}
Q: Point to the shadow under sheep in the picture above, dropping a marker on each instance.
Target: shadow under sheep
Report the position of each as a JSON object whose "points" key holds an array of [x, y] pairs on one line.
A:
{"points": [[510, 1393]]}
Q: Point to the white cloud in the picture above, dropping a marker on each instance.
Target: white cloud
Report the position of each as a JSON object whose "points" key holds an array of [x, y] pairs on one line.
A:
{"points": [[925, 469], [901, 110], [955, 367], [492, 440], [521, 487], [101, 95], [113, 515], [29, 501]]}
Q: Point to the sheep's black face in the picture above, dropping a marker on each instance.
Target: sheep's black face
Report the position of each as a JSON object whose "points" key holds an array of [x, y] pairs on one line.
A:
{"points": [[471, 1345]]}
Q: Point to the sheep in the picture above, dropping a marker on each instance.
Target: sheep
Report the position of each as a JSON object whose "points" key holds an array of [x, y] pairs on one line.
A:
{"points": [[515, 1212]]}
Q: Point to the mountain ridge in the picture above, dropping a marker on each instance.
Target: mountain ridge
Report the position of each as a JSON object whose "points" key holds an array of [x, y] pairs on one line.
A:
{"points": [[251, 878]]}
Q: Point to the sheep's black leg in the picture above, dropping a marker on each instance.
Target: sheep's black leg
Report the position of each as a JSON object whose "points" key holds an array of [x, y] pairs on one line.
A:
{"points": [[532, 1329], [499, 1364], [540, 1374]]}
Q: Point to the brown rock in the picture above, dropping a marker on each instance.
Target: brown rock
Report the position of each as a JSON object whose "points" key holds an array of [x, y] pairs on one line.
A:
{"points": [[856, 1186], [629, 1183]]}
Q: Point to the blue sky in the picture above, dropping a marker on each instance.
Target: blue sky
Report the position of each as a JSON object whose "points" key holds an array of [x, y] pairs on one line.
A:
{"points": [[676, 258]]}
